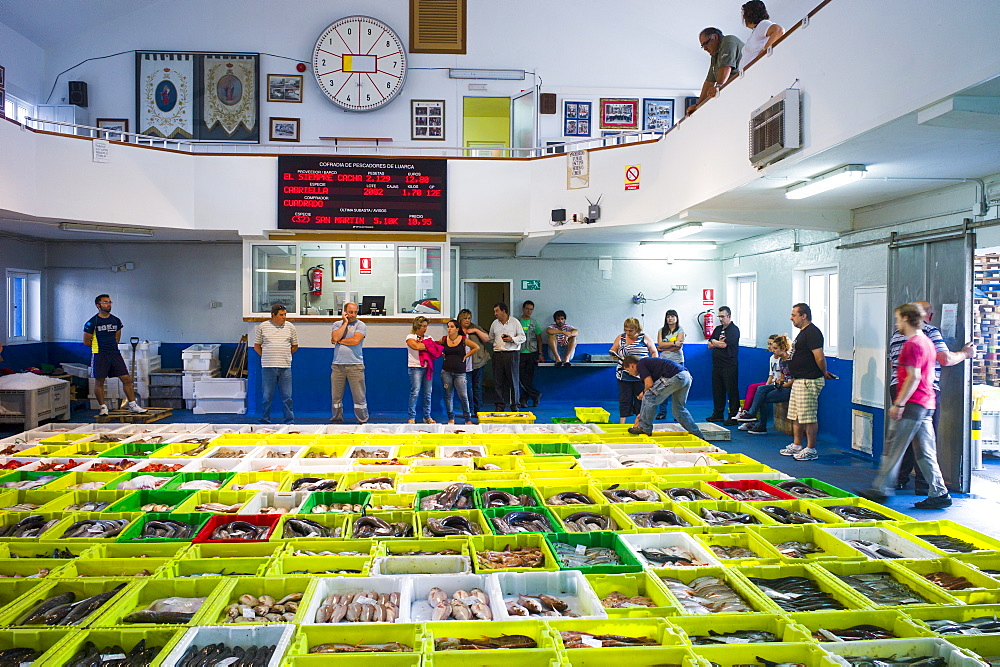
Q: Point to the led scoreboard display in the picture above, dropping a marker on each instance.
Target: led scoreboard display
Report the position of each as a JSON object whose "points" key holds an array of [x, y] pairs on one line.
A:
{"points": [[350, 193]]}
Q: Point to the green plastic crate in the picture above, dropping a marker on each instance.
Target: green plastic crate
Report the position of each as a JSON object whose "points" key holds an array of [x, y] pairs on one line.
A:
{"points": [[184, 477], [350, 548], [765, 552], [39, 568], [592, 415], [13, 497], [656, 629], [53, 532], [318, 566], [135, 550], [896, 622], [46, 641], [450, 546], [497, 512], [26, 475], [981, 542], [225, 550], [691, 627], [634, 584], [855, 501], [694, 521], [276, 587], [135, 501], [142, 595], [335, 497], [308, 636], [731, 577], [501, 543], [606, 539], [110, 567], [837, 590], [13, 591], [336, 523], [126, 639], [986, 589], [475, 630], [134, 450], [754, 654], [191, 503], [80, 588], [834, 491], [566, 420], [832, 548], [43, 549], [529, 491], [67, 500], [960, 614], [123, 478], [553, 449], [640, 656], [133, 533], [620, 522], [923, 589], [236, 566]]}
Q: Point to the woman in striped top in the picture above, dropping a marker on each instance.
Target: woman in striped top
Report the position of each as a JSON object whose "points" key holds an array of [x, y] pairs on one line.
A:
{"points": [[632, 342]]}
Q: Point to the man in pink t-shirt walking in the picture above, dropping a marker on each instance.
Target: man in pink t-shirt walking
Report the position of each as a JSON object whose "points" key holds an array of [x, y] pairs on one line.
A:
{"points": [[910, 415]]}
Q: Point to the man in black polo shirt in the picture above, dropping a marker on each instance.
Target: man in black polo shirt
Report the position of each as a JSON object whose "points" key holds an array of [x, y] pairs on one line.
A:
{"points": [[725, 346], [101, 334], [662, 378]]}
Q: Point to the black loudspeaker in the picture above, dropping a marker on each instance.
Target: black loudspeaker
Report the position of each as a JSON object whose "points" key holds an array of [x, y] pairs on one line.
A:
{"points": [[547, 103], [78, 93], [558, 215]]}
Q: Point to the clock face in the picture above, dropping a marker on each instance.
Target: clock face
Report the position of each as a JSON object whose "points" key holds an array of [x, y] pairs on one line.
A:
{"points": [[359, 63]]}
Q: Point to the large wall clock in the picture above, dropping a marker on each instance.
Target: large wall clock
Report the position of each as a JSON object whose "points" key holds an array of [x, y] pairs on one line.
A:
{"points": [[359, 63]]}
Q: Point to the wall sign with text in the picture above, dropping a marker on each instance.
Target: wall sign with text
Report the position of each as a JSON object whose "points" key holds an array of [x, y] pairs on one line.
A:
{"points": [[362, 193]]}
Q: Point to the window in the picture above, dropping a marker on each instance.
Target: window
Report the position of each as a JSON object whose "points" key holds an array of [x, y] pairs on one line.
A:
{"points": [[273, 277], [419, 279], [17, 109], [743, 300], [820, 291], [24, 306]]}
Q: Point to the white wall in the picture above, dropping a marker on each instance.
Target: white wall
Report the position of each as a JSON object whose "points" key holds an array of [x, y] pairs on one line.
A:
{"points": [[167, 297], [17, 254], [24, 63], [571, 281]]}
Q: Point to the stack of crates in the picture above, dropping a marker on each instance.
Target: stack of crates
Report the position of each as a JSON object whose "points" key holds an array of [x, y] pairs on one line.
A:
{"points": [[200, 362], [986, 321]]}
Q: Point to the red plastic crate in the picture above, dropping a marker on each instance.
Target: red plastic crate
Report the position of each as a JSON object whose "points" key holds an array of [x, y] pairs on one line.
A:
{"points": [[269, 520], [744, 484]]}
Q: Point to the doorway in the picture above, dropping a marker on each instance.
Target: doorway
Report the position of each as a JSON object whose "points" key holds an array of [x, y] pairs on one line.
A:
{"points": [[479, 297], [485, 123]]}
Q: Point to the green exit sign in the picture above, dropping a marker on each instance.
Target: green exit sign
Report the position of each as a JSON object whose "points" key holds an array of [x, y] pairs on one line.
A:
{"points": [[531, 284]]}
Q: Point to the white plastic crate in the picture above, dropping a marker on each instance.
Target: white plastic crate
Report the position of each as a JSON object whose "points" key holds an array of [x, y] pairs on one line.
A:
{"points": [[149, 348], [887, 538], [201, 365], [420, 565], [570, 586], [989, 431], [76, 370], [289, 500], [231, 406], [277, 635], [892, 650], [637, 542], [201, 351], [326, 586], [220, 388], [421, 611]]}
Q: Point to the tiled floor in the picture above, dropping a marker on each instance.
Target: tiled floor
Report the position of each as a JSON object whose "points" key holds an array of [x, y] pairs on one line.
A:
{"points": [[976, 510]]}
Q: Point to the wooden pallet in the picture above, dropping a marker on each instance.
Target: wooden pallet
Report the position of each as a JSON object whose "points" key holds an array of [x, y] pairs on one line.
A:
{"points": [[126, 417]]}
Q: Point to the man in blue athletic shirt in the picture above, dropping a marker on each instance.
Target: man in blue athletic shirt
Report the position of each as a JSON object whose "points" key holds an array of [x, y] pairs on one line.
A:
{"points": [[101, 334]]}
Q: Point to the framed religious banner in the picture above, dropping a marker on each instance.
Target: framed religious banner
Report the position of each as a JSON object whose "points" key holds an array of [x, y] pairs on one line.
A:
{"points": [[619, 113], [198, 96]]}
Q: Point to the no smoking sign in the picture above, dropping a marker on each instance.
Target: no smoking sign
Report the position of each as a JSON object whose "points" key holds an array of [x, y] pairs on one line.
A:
{"points": [[632, 177]]}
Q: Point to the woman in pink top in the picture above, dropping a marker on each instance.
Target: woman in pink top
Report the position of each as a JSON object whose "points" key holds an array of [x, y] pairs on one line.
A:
{"points": [[910, 415]]}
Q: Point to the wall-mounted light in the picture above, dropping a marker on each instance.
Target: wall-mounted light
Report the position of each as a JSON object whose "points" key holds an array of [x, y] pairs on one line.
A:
{"points": [[499, 74], [681, 231], [826, 181], [104, 229]]}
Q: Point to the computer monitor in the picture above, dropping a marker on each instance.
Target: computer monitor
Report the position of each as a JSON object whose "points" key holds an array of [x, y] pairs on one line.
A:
{"points": [[372, 305]]}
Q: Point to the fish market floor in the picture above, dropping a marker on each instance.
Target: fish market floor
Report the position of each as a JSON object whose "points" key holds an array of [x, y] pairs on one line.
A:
{"points": [[836, 465]]}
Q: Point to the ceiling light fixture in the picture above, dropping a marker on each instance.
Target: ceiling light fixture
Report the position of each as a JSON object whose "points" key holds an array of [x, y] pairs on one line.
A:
{"points": [[826, 181], [681, 231], [502, 74], [104, 229], [682, 245]]}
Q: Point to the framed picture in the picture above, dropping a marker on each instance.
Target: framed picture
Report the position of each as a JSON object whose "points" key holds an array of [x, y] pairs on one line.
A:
{"points": [[285, 129], [427, 119], [3, 76], [576, 121], [339, 270], [657, 114], [3, 102], [620, 113], [284, 88], [114, 128]]}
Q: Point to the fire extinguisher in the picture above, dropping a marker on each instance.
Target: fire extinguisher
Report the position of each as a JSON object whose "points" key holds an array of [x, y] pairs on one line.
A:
{"points": [[315, 277], [707, 321]]}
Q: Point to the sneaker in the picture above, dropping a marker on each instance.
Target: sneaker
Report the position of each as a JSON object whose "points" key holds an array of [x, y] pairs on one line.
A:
{"points": [[935, 503], [807, 454], [744, 416], [336, 420], [635, 430], [134, 408], [567, 364], [103, 412], [714, 418], [744, 427], [791, 450], [730, 422], [757, 429]]}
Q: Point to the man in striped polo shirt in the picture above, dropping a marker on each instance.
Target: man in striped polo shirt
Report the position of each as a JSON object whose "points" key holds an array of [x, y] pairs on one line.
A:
{"points": [[276, 341]]}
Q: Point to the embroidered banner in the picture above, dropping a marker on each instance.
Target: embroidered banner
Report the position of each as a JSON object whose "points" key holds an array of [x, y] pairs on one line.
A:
{"points": [[230, 99], [165, 95]]}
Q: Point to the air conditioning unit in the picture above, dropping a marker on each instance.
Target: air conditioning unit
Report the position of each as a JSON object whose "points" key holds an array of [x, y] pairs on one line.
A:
{"points": [[776, 128]]}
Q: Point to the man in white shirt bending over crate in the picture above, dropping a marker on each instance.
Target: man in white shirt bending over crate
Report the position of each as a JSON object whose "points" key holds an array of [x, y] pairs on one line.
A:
{"points": [[276, 341]]}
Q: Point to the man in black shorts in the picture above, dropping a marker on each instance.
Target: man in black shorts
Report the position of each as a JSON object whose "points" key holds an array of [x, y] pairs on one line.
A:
{"points": [[101, 334]]}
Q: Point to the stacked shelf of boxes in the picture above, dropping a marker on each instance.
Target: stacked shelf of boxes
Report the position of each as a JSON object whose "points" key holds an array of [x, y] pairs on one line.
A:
{"points": [[204, 392], [392, 544], [986, 320]]}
